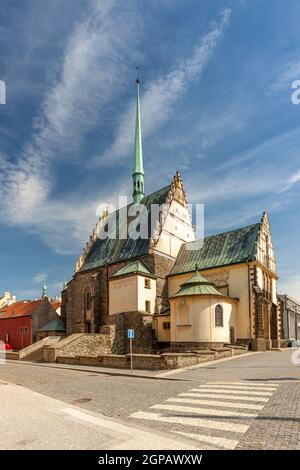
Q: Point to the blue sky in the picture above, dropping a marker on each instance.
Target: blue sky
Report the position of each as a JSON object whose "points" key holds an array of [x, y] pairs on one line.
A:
{"points": [[216, 104]]}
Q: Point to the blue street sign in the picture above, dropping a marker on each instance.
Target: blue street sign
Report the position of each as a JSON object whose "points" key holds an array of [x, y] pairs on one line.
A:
{"points": [[130, 334]]}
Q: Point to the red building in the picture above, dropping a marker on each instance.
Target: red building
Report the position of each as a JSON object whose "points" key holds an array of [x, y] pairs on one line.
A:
{"points": [[20, 321]]}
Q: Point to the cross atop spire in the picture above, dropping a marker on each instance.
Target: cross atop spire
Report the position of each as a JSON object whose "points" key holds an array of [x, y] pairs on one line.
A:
{"points": [[138, 169]]}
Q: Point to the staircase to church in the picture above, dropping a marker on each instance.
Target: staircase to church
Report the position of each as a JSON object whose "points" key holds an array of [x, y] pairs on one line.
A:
{"points": [[35, 352], [35, 356]]}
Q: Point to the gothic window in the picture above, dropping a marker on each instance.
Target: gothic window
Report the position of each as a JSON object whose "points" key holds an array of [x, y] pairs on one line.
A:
{"points": [[87, 299], [219, 315]]}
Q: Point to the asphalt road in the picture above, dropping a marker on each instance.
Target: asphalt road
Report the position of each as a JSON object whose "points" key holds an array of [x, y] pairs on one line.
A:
{"points": [[250, 402]]}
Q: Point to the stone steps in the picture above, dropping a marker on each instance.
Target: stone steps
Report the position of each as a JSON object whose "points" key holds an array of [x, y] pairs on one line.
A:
{"points": [[35, 356]]}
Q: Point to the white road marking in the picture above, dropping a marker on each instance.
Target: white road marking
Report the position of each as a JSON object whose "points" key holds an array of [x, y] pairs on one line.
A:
{"points": [[241, 387], [204, 411], [227, 397], [197, 422], [230, 404], [227, 401], [218, 441], [246, 384], [231, 392]]}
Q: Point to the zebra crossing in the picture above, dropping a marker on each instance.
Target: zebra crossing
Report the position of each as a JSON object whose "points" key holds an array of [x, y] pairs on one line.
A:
{"points": [[215, 414]]}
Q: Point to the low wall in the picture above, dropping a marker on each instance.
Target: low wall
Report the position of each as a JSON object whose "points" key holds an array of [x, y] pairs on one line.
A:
{"points": [[168, 360], [12, 355]]}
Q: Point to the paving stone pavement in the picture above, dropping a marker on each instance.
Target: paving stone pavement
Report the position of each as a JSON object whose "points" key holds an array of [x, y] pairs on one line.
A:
{"points": [[215, 414], [239, 386], [278, 425]]}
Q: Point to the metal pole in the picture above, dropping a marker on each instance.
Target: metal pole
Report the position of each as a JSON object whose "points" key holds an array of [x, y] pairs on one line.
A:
{"points": [[131, 354]]}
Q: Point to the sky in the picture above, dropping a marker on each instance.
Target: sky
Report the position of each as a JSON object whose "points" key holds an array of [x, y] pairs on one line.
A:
{"points": [[216, 88]]}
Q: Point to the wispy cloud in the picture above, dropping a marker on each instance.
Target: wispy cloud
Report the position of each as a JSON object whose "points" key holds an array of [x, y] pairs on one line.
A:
{"points": [[40, 277], [161, 95], [293, 179], [91, 75]]}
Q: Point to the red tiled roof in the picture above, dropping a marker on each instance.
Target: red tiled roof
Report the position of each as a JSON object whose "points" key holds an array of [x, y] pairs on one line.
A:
{"points": [[24, 307], [55, 305]]}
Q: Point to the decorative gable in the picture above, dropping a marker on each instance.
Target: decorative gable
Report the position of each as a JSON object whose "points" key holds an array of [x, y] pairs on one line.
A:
{"points": [[264, 249]]}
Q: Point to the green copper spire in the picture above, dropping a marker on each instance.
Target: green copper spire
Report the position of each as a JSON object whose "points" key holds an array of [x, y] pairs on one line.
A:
{"points": [[138, 169], [45, 293]]}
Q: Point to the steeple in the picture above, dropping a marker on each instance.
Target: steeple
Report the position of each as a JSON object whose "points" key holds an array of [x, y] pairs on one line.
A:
{"points": [[45, 291], [138, 169]]}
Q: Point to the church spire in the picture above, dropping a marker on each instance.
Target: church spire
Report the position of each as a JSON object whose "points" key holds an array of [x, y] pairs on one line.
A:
{"points": [[45, 291], [138, 169]]}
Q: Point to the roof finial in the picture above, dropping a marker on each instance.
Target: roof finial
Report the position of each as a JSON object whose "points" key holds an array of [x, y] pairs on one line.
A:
{"points": [[137, 74]]}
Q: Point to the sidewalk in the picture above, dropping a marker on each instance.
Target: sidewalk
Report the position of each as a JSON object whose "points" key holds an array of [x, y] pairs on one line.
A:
{"points": [[30, 420]]}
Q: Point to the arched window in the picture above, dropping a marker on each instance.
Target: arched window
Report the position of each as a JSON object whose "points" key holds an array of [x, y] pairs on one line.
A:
{"points": [[219, 315], [87, 299], [138, 185]]}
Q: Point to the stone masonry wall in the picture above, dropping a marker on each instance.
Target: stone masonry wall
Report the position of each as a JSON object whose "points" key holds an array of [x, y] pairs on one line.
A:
{"points": [[92, 345], [144, 334], [73, 302]]}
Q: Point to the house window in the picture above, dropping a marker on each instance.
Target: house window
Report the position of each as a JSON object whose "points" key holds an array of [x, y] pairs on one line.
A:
{"points": [[147, 284], [148, 306], [21, 330], [166, 325], [219, 315], [26, 331]]}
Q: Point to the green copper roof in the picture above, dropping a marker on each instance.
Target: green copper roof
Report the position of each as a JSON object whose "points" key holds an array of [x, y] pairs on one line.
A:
{"points": [[54, 325], [236, 246], [138, 149], [199, 289], [111, 250], [135, 267], [197, 285], [197, 278]]}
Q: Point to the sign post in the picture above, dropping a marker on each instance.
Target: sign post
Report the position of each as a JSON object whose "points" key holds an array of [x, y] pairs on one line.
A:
{"points": [[130, 334]]}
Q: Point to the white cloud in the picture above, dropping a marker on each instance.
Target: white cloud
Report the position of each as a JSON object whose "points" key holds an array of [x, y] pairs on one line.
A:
{"points": [[161, 95], [40, 277], [293, 179], [91, 76]]}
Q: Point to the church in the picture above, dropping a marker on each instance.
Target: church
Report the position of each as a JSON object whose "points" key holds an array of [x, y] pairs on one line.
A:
{"points": [[175, 292]]}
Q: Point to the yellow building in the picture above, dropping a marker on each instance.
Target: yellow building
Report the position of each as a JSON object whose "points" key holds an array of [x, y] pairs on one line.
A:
{"points": [[233, 300]]}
